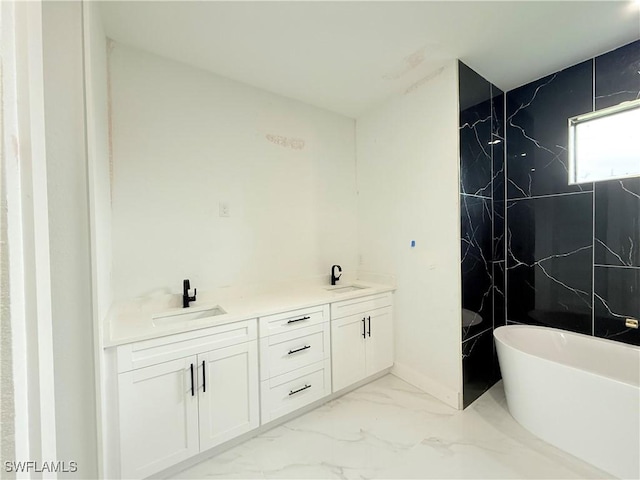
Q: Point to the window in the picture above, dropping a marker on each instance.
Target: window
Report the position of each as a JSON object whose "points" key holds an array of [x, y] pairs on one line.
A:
{"points": [[604, 145]]}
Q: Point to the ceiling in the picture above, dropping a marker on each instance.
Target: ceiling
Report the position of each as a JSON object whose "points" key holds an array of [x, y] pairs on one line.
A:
{"points": [[349, 56]]}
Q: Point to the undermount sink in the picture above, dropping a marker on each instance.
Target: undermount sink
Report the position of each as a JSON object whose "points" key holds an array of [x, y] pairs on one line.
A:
{"points": [[187, 316], [345, 289]]}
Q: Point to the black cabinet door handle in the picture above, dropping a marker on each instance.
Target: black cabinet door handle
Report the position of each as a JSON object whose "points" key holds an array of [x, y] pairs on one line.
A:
{"points": [[293, 392], [369, 325], [204, 377], [193, 391], [299, 349], [364, 328], [298, 319]]}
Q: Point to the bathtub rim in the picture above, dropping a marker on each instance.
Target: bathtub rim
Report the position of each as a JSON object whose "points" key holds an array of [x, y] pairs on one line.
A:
{"points": [[563, 364]]}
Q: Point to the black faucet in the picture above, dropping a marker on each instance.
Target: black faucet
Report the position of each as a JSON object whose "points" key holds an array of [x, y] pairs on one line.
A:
{"points": [[185, 293], [334, 279]]}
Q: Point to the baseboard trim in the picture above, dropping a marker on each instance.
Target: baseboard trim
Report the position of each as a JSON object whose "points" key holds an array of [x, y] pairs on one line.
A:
{"points": [[428, 385]]}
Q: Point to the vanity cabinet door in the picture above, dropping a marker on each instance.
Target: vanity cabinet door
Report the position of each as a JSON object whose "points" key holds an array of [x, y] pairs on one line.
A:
{"points": [[158, 417], [348, 351], [228, 393], [379, 342]]}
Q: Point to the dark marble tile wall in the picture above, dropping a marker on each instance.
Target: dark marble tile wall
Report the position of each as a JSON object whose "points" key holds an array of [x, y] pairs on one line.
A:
{"points": [[477, 277], [482, 209], [617, 212], [550, 261], [476, 166], [617, 225], [499, 207], [477, 365], [617, 78], [536, 130], [617, 296], [573, 252]]}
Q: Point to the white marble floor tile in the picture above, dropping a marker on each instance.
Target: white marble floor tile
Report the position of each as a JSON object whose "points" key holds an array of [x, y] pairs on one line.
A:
{"points": [[389, 429]]}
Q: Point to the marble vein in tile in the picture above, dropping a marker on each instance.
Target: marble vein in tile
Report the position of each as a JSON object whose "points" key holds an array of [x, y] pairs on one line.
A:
{"points": [[617, 222], [400, 433], [537, 113]]}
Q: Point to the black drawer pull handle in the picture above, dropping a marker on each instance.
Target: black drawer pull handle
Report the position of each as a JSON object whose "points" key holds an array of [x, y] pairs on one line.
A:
{"points": [[364, 327], [293, 392], [193, 392], [204, 377], [369, 317], [299, 349], [298, 319]]}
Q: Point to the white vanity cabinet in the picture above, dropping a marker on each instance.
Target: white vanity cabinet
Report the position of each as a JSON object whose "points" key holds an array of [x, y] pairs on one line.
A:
{"points": [[158, 417], [361, 338], [295, 360], [172, 397], [228, 403], [182, 394]]}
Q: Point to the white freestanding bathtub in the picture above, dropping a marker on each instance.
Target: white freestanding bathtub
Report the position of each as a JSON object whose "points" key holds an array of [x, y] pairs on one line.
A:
{"points": [[579, 393]]}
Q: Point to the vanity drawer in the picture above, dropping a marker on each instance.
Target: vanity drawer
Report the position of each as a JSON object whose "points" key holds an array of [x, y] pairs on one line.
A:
{"points": [[361, 304], [171, 347], [285, 393], [292, 320], [289, 351]]}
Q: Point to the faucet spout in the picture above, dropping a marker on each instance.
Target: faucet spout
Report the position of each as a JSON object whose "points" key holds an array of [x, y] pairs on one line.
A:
{"points": [[186, 286], [335, 278]]}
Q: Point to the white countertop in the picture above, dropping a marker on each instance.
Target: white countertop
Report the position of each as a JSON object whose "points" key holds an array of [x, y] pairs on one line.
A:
{"points": [[132, 321]]}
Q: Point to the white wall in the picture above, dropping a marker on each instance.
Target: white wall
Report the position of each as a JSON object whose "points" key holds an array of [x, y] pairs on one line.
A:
{"points": [[185, 140], [408, 190], [99, 181], [97, 97], [69, 236], [7, 398]]}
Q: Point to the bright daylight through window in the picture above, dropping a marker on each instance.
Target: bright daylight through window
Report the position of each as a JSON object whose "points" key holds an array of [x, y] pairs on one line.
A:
{"points": [[604, 145]]}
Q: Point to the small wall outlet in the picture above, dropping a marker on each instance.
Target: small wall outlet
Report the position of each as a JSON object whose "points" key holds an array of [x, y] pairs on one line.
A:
{"points": [[224, 210]]}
